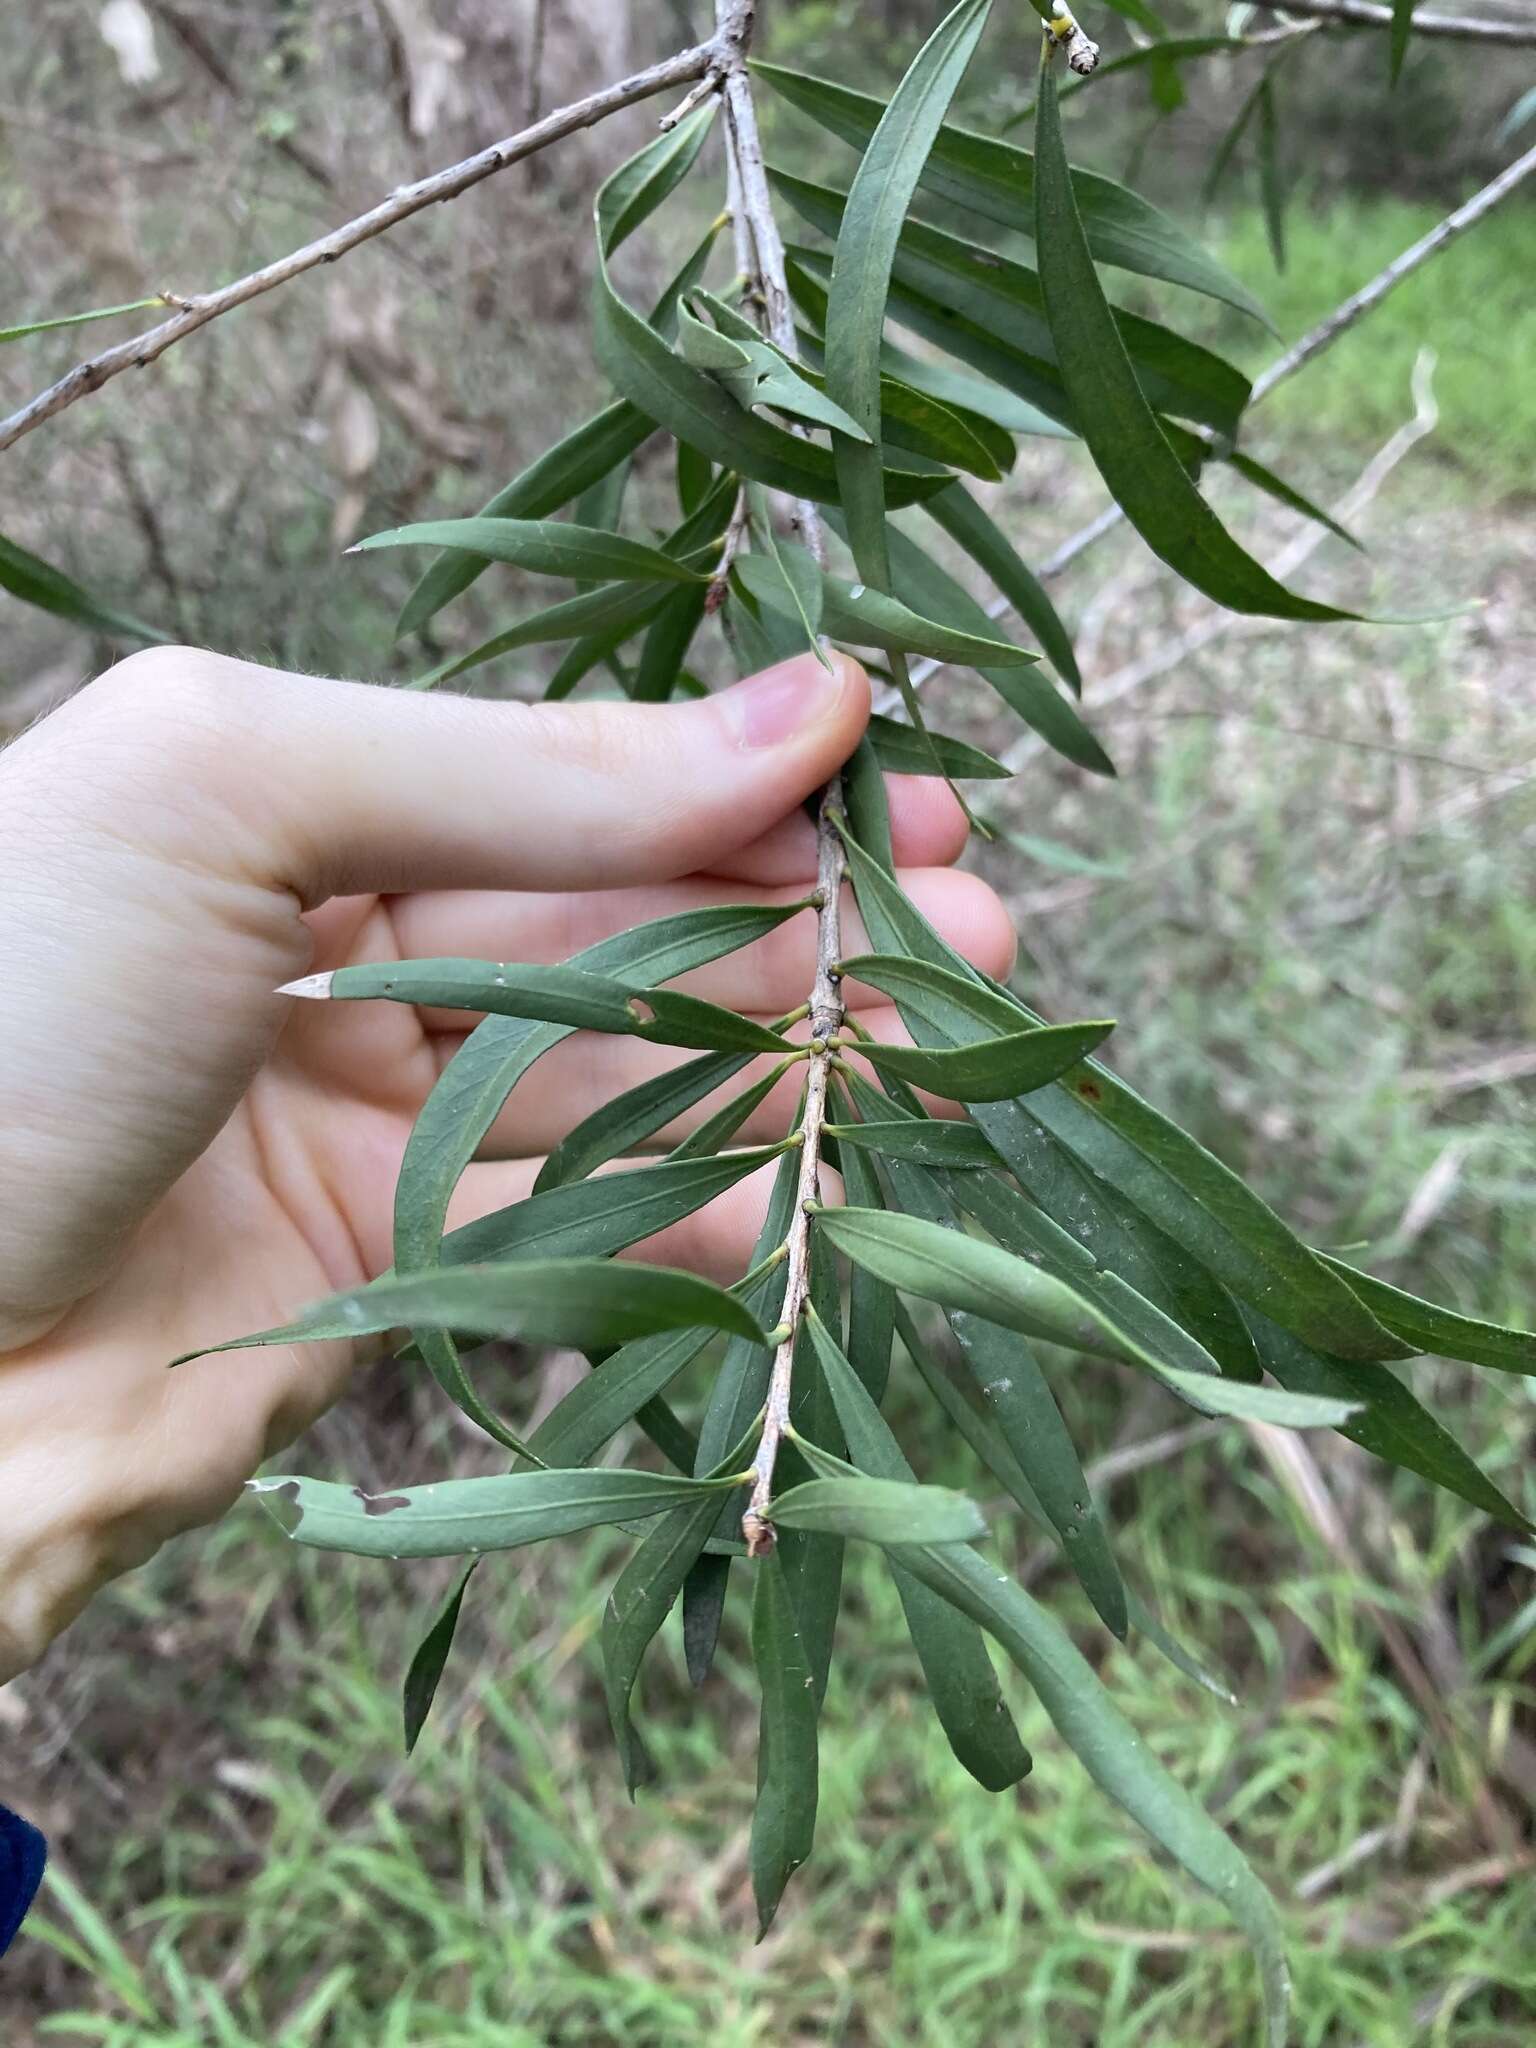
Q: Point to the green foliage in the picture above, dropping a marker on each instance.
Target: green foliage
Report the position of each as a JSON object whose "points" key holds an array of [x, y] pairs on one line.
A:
{"points": [[1059, 1207]]}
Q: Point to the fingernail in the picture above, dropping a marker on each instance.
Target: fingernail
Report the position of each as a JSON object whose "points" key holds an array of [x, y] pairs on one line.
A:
{"points": [[768, 709]]}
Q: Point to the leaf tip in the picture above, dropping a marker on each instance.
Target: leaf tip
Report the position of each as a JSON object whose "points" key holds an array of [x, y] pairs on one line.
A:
{"points": [[314, 988]]}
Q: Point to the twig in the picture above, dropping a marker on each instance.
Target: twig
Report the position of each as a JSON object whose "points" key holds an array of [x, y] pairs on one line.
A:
{"points": [[1458, 28], [537, 31], [730, 548], [404, 201], [760, 249], [1327, 332]]}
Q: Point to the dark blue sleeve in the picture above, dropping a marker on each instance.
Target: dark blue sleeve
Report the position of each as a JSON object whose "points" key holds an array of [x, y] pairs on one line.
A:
{"points": [[23, 1852]]}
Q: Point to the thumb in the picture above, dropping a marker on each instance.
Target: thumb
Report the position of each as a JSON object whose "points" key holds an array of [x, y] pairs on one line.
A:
{"points": [[347, 788]]}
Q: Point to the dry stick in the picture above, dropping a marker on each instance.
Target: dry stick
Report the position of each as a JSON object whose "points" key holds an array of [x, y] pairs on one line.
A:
{"points": [[762, 249], [404, 201], [1313, 343], [1459, 28]]}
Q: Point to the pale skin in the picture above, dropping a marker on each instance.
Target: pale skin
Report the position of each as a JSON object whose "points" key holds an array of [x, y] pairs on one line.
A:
{"points": [[186, 1155]]}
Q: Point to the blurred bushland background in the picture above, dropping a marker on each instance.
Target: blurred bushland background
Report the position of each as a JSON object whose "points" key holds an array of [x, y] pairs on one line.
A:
{"points": [[1310, 898]]}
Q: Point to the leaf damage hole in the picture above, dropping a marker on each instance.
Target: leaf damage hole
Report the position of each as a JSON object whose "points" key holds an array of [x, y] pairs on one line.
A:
{"points": [[381, 1503]]}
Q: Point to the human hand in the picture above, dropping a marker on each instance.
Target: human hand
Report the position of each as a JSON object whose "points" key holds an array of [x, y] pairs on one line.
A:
{"points": [[186, 1156]]}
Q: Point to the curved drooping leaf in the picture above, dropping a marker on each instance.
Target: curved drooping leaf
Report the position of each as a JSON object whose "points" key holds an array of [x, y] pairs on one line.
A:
{"points": [[958, 513], [1271, 170], [718, 1130], [1027, 692], [1442, 1331], [989, 1069], [900, 751], [551, 995], [1180, 1186], [431, 1658], [1390, 1421], [868, 618], [1283, 493], [614, 1393], [643, 1596], [879, 1510], [871, 1303], [799, 576], [667, 640], [1005, 299], [469, 1517], [1132, 452], [37, 582], [626, 1120], [962, 1272], [997, 180], [926, 1141], [547, 547], [961, 1681], [585, 1303], [595, 1218], [754, 370], [1018, 1398], [784, 1818], [1114, 1756]]}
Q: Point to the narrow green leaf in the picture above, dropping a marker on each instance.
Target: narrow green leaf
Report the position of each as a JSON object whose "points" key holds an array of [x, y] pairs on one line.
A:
{"points": [[548, 547], [619, 1125], [1392, 1423], [471, 1090], [76, 319], [668, 638], [597, 1408], [638, 187], [742, 1381], [37, 582], [958, 513], [961, 1681], [1271, 171], [704, 1592], [972, 397], [784, 1819], [1132, 452], [1286, 494], [596, 1218], [468, 1517], [431, 1658], [990, 1069], [869, 806], [799, 591], [1441, 1331], [1004, 299], [900, 751], [868, 618], [1184, 1189], [981, 174], [556, 995], [879, 1510], [1114, 1756], [586, 1303], [718, 1130], [927, 1141], [1402, 32]]}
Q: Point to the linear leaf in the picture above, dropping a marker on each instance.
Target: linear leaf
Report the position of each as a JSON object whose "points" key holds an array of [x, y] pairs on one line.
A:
{"points": [[704, 1592], [585, 1303], [879, 1510], [1004, 299], [869, 618], [1391, 1423], [548, 547], [468, 1517], [1114, 1756], [961, 1681], [997, 180], [1027, 692], [1271, 171], [556, 995], [1283, 493], [596, 1218], [1132, 452], [431, 1658], [926, 1141], [989, 1069], [784, 1819], [37, 582], [900, 751], [958, 513], [1441, 1331], [1401, 33], [76, 319], [472, 1089], [617, 1126], [1184, 1189], [597, 1408]]}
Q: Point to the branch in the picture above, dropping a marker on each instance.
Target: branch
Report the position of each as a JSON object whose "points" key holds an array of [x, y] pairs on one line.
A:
{"points": [[760, 249], [404, 201], [1458, 28]]}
